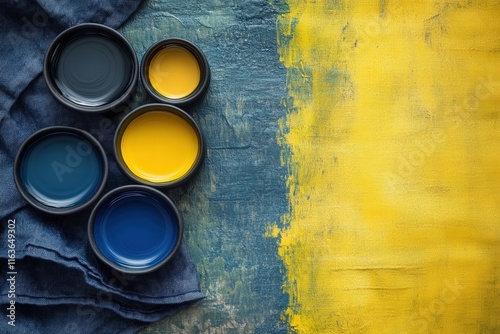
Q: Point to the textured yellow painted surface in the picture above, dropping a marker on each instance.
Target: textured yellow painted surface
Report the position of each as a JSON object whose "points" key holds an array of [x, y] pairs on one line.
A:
{"points": [[392, 140]]}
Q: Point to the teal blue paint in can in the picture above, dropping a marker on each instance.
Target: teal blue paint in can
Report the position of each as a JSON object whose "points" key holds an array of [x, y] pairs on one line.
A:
{"points": [[60, 169]]}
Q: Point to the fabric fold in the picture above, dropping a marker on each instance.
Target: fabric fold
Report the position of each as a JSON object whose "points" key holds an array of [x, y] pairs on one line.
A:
{"points": [[60, 286]]}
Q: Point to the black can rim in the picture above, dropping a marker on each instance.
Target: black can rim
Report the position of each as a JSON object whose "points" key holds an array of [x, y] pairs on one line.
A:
{"points": [[200, 57]]}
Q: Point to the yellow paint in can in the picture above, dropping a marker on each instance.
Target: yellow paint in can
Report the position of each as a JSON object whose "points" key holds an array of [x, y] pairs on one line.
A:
{"points": [[174, 72], [159, 146]]}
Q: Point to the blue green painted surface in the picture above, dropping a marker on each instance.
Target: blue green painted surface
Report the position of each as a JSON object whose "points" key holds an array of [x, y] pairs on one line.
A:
{"points": [[241, 188]]}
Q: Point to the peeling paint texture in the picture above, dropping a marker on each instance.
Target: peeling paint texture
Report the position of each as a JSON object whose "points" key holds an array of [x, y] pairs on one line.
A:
{"points": [[392, 146]]}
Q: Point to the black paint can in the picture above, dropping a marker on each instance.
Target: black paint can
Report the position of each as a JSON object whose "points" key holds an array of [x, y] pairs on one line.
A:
{"points": [[91, 68]]}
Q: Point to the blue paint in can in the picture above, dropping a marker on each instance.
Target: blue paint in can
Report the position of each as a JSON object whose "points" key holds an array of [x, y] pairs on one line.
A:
{"points": [[61, 170], [135, 229]]}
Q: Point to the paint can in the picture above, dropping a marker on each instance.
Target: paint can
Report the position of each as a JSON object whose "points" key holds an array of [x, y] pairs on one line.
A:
{"points": [[175, 71], [60, 170], [91, 68], [135, 229], [159, 145]]}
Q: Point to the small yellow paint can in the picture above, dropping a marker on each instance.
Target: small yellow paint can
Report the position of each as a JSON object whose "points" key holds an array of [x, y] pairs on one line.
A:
{"points": [[159, 145], [175, 71]]}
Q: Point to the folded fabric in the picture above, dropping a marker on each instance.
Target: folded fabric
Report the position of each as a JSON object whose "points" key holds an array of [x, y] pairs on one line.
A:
{"points": [[59, 285]]}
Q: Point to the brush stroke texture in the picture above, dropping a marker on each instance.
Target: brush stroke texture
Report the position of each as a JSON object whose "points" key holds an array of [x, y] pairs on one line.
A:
{"points": [[391, 143]]}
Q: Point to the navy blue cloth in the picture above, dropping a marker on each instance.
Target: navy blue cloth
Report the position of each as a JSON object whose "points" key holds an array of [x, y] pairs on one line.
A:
{"points": [[60, 286]]}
